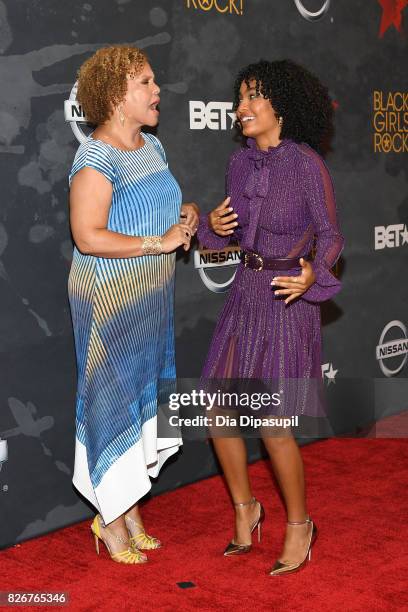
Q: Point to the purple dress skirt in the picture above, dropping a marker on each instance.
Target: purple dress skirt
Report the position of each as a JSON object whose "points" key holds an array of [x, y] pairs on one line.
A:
{"points": [[284, 198]]}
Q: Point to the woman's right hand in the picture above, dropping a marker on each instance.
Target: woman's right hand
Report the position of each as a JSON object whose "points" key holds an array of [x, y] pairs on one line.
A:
{"points": [[222, 223], [177, 235]]}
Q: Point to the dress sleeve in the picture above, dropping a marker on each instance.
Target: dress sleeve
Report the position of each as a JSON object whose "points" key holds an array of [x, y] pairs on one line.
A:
{"points": [[94, 155], [329, 241], [205, 234], [158, 146]]}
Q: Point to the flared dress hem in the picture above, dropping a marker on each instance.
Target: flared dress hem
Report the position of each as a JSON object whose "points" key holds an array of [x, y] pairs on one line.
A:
{"points": [[123, 485]]}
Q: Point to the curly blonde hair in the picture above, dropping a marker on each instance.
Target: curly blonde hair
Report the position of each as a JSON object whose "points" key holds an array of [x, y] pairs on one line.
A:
{"points": [[102, 80]]}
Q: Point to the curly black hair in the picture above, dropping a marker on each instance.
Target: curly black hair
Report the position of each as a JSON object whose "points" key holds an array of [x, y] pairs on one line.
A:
{"points": [[297, 95]]}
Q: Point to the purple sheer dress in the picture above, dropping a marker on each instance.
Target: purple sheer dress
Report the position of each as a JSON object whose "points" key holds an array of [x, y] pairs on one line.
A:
{"points": [[283, 197]]}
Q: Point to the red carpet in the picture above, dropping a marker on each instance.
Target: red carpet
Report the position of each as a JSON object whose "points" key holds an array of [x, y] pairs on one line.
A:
{"points": [[357, 496]]}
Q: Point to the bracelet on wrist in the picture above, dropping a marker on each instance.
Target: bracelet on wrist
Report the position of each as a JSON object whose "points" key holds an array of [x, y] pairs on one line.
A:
{"points": [[152, 245]]}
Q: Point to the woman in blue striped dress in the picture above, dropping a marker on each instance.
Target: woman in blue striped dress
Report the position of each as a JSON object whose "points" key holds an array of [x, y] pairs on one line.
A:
{"points": [[125, 208]]}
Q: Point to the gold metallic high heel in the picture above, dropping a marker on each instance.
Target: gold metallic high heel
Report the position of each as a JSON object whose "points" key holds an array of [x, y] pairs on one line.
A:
{"points": [[140, 540], [239, 549], [125, 556], [281, 567]]}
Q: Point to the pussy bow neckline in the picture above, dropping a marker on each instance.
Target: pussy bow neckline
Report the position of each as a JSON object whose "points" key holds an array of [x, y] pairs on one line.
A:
{"points": [[257, 185], [261, 156]]}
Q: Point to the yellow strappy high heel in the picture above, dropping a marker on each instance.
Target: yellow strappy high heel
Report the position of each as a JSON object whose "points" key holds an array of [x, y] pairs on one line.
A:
{"points": [[128, 556], [139, 539]]}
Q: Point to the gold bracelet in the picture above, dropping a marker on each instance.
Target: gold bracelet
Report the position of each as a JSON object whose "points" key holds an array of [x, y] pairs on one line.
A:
{"points": [[152, 245]]}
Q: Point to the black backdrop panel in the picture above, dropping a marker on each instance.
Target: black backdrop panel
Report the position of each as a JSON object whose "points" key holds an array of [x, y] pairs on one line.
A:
{"points": [[195, 46]]}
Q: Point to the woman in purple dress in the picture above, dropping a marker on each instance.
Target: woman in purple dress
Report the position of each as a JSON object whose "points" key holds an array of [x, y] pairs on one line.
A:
{"points": [[280, 200]]}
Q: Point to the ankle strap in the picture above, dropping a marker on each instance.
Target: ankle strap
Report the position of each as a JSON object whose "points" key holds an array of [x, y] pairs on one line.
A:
{"points": [[248, 503], [307, 520], [129, 518], [118, 538]]}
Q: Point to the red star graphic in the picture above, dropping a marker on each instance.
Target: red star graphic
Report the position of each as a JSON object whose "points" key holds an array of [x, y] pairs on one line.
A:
{"points": [[392, 15]]}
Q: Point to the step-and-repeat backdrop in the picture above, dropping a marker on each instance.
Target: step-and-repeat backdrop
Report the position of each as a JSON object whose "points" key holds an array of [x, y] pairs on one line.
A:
{"points": [[357, 47]]}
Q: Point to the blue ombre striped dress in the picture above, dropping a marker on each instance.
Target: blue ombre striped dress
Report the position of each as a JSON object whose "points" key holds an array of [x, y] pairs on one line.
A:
{"points": [[122, 312]]}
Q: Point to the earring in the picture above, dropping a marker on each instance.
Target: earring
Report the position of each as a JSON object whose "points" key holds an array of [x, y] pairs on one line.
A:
{"points": [[121, 116], [280, 122]]}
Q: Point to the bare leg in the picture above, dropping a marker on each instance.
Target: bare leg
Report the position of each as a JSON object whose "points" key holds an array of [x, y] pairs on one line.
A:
{"points": [[114, 530], [136, 529], [134, 514], [232, 455], [288, 468]]}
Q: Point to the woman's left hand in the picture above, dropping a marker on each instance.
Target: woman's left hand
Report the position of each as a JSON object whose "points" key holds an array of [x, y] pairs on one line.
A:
{"points": [[190, 215], [295, 286]]}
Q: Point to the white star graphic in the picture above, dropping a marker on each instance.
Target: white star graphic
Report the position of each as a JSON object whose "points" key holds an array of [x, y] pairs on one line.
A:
{"points": [[404, 235], [232, 116], [331, 374]]}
